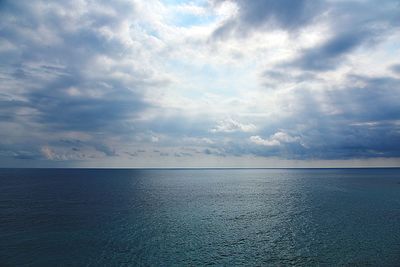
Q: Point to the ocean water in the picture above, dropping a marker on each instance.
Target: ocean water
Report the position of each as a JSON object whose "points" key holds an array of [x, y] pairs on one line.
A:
{"points": [[251, 217]]}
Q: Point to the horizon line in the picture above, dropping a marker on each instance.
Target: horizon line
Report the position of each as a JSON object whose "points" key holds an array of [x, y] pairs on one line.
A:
{"points": [[199, 168]]}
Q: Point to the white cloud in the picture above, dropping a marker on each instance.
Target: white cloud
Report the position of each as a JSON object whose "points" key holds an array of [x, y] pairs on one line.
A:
{"points": [[230, 125], [264, 142], [277, 139], [48, 153]]}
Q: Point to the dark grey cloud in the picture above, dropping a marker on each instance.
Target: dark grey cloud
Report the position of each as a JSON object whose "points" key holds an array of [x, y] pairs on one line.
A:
{"points": [[331, 53], [21, 151], [273, 79], [353, 24], [27, 155], [110, 152], [57, 110], [268, 15], [395, 68], [351, 30]]}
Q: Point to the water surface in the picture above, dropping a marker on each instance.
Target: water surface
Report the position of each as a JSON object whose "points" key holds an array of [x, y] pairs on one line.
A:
{"points": [[247, 217]]}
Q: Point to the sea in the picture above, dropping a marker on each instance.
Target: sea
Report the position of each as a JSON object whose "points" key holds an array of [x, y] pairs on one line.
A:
{"points": [[198, 217]]}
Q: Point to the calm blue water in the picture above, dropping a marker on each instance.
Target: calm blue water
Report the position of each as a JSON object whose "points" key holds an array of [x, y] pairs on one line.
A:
{"points": [[200, 217]]}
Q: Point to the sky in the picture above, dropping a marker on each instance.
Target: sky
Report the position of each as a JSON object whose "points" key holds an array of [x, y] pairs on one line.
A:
{"points": [[202, 83]]}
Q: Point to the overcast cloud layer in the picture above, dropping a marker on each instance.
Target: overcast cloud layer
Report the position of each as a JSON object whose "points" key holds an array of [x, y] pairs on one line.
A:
{"points": [[199, 83]]}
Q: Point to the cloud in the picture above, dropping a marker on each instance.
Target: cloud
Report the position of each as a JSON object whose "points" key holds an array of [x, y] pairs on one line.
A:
{"points": [[267, 15], [259, 141], [277, 139], [83, 71], [59, 110], [349, 31], [48, 153], [395, 68], [26, 155], [331, 53], [110, 152], [229, 125]]}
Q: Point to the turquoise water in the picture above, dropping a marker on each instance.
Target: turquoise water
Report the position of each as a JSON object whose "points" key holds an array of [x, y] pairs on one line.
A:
{"points": [[252, 217]]}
